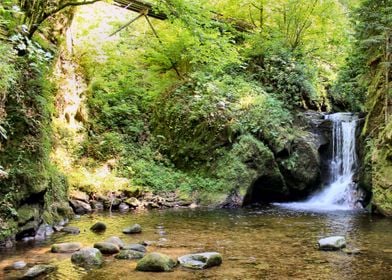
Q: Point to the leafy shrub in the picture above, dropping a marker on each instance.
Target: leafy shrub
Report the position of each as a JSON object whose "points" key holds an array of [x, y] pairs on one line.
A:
{"points": [[199, 116], [286, 79]]}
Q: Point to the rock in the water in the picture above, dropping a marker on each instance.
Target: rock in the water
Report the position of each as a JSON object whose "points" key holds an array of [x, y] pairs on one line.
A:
{"points": [[97, 205], [155, 262], [133, 202], [80, 207], [352, 251], [88, 257], [123, 207], [116, 241], [70, 229], [200, 260], [19, 265], [43, 232], [39, 270], [98, 227], [136, 228], [129, 255], [332, 243], [107, 248], [135, 247], [69, 247]]}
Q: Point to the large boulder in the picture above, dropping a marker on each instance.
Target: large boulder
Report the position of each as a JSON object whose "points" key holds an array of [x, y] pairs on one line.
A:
{"points": [[107, 248], [70, 229], [39, 270], [156, 262], [200, 260], [302, 168], [332, 243], [252, 166], [69, 247], [136, 228], [129, 255], [88, 257]]}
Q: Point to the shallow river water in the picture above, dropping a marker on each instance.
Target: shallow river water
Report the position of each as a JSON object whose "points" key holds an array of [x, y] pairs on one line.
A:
{"points": [[268, 243]]}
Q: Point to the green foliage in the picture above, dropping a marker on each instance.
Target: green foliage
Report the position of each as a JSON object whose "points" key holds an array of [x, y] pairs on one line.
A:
{"points": [[104, 146], [196, 118], [348, 93], [8, 73], [288, 80], [193, 45]]}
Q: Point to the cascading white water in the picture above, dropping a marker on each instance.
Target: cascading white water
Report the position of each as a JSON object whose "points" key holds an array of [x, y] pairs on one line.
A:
{"points": [[340, 193]]}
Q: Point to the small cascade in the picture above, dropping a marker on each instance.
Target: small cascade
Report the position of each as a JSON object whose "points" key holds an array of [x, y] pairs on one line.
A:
{"points": [[341, 191]]}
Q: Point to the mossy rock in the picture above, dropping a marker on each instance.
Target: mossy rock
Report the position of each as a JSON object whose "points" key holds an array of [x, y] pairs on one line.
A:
{"points": [[136, 228], [156, 262], [27, 213], [201, 260], [98, 227], [39, 270], [87, 257], [107, 248], [129, 255]]}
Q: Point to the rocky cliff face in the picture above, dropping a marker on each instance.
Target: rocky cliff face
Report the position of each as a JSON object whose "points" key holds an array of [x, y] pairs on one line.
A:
{"points": [[33, 192], [296, 170]]}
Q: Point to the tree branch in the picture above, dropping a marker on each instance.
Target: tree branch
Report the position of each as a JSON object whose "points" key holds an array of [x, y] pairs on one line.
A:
{"points": [[46, 15]]}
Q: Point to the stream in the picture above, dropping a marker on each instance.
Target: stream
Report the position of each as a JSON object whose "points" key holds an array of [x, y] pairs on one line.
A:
{"points": [[265, 243]]}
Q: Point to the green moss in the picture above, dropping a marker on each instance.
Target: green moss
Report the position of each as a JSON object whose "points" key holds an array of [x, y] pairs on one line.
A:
{"points": [[156, 262], [26, 156]]}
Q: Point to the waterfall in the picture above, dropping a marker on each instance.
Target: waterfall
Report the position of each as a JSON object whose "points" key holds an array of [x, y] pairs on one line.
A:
{"points": [[340, 193]]}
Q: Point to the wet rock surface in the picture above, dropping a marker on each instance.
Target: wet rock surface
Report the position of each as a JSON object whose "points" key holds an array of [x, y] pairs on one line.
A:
{"points": [[129, 255], [98, 227], [87, 257], [135, 247], [332, 243], [200, 260], [69, 247], [136, 228], [107, 248], [39, 270], [156, 262]]}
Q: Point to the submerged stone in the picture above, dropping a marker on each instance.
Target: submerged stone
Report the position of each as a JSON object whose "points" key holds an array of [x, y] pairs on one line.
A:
{"points": [[135, 247], [156, 262], [19, 265], [69, 247], [200, 260], [70, 229], [39, 270], [332, 243], [136, 228]]}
